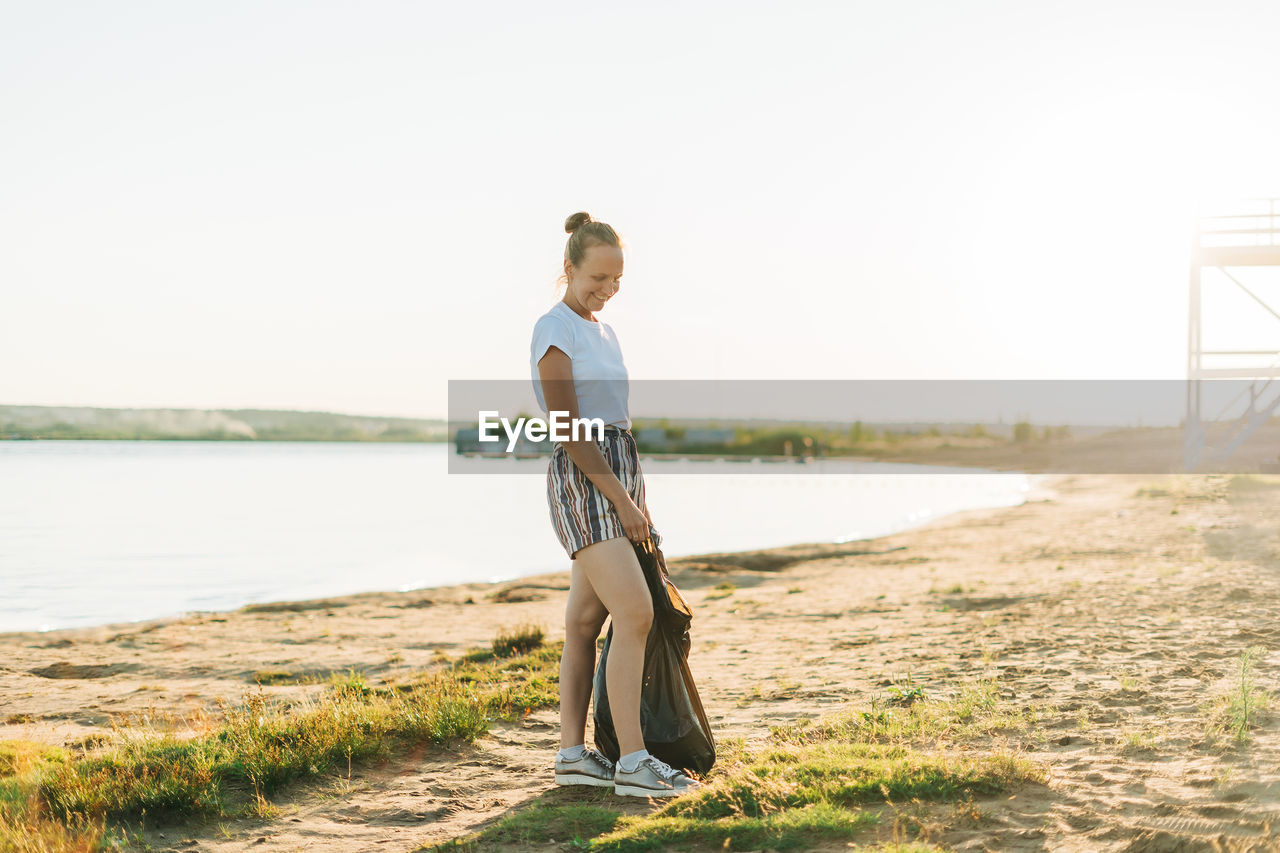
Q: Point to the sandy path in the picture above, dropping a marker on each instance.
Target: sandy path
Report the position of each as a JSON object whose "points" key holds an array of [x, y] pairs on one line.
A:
{"points": [[1097, 599]]}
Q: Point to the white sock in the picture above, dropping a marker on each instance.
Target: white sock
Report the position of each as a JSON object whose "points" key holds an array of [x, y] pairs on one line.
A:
{"points": [[573, 753], [632, 760]]}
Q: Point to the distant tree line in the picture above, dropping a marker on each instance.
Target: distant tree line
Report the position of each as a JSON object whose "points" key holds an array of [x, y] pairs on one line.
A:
{"points": [[84, 423]]}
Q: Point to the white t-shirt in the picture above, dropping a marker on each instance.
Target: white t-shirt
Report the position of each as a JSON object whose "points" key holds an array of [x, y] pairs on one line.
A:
{"points": [[599, 374]]}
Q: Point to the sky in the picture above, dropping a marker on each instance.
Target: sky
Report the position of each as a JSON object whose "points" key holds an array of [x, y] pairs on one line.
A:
{"points": [[342, 206]]}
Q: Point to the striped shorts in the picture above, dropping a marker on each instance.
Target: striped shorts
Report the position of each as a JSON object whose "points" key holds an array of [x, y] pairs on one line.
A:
{"points": [[580, 513]]}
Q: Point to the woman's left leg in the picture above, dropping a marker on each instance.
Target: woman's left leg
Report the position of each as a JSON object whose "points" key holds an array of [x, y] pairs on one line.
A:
{"points": [[584, 616]]}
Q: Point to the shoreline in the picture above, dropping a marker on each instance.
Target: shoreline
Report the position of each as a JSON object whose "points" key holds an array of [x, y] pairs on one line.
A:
{"points": [[1036, 481]]}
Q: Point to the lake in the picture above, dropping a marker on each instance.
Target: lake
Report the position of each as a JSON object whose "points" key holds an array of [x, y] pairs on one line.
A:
{"points": [[93, 532]]}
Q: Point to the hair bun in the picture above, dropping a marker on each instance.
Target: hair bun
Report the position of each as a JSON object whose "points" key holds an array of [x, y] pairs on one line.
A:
{"points": [[576, 221]]}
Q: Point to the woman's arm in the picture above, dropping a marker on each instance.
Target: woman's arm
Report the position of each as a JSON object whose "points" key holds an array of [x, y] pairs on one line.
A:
{"points": [[555, 371]]}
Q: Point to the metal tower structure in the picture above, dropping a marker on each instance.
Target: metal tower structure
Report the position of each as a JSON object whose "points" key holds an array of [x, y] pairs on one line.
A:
{"points": [[1249, 236]]}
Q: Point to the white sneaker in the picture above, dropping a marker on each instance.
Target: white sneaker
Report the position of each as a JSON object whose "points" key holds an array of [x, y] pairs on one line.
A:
{"points": [[652, 778], [591, 768]]}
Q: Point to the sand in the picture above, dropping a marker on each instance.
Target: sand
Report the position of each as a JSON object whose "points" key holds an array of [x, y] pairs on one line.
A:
{"points": [[1091, 595]]}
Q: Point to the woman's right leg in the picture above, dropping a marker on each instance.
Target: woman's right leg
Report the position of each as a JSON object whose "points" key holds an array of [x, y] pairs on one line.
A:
{"points": [[618, 581]]}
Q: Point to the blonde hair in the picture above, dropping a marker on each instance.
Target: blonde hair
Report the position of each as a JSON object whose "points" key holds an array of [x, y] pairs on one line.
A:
{"points": [[585, 232]]}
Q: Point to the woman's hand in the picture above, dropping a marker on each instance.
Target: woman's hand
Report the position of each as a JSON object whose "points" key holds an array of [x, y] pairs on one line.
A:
{"points": [[634, 522]]}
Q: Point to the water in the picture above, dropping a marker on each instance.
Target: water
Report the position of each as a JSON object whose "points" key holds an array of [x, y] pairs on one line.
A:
{"points": [[95, 532]]}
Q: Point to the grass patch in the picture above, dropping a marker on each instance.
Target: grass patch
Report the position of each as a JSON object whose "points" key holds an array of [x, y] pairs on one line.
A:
{"points": [[722, 590], [262, 745], [25, 824], [18, 757], [352, 682], [811, 782], [24, 828], [1131, 741], [519, 640], [513, 685], [1186, 487], [784, 689], [972, 710], [790, 775], [792, 829], [509, 641], [285, 677], [271, 677], [1131, 683], [542, 822], [1252, 483], [265, 743]]}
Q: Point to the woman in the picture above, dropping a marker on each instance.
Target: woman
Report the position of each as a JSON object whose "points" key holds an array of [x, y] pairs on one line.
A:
{"points": [[595, 492]]}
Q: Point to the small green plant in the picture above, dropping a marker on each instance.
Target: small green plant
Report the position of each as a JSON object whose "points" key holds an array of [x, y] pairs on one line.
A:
{"points": [[352, 682], [1136, 740], [906, 692], [1236, 712], [1244, 702], [905, 695], [1083, 719], [1224, 777]]}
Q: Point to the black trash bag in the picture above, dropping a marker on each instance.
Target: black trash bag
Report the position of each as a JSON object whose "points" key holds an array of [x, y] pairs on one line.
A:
{"points": [[672, 718]]}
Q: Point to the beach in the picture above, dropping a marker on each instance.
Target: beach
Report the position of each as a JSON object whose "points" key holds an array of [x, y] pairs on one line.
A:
{"points": [[1122, 602]]}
